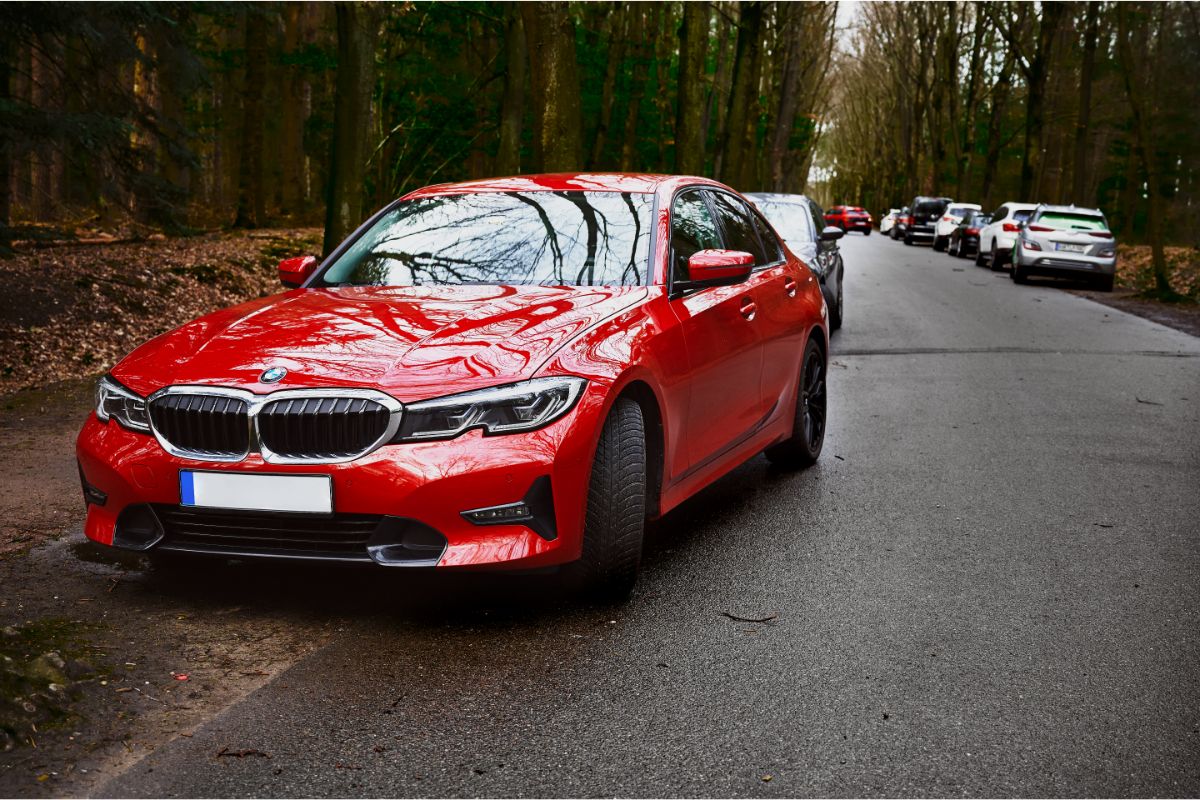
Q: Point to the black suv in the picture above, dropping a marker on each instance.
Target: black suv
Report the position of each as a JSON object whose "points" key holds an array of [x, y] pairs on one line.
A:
{"points": [[924, 214]]}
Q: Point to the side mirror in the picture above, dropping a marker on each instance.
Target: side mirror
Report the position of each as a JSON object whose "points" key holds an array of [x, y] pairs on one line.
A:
{"points": [[719, 267], [832, 234], [295, 271]]}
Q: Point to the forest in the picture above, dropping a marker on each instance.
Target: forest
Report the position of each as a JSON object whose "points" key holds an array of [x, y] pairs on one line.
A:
{"points": [[181, 117]]}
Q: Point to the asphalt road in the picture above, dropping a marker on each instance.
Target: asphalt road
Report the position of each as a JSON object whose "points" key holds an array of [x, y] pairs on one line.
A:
{"points": [[990, 585]]}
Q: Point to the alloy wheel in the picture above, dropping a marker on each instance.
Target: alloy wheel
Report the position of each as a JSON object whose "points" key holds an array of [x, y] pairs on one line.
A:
{"points": [[813, 399]]}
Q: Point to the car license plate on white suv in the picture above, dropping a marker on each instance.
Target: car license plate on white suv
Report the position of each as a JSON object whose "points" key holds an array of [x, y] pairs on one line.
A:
{"points": [[1070, 248], [247, 491]]}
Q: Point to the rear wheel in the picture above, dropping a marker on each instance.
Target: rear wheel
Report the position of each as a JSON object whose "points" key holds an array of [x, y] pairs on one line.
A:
{"points": [[1018, 273], [803, 448], [979, 262], [939, 243], [994, 258], [867, 232], [908, 239], [615, 522]]}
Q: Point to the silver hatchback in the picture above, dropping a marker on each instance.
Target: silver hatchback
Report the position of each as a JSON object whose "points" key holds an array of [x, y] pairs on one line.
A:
{"points": [[1066, 242]]}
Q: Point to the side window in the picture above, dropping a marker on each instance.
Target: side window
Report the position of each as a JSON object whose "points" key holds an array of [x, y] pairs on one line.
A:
{"points": [[1000, 214], [770, 242], [692, 230], [739, 230], [818, 220]]}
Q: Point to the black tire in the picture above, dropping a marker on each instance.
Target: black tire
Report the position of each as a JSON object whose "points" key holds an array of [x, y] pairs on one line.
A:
{"points": [[867, 232], [615, 523], [908, 240], [1018, 274], [994, 258], [1104, 283], [803, 447], [939, 244], [835, 309], [979, 262]]}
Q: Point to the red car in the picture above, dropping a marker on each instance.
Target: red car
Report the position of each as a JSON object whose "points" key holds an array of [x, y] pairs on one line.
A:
{"points": [[510, 373], [849, 218]]}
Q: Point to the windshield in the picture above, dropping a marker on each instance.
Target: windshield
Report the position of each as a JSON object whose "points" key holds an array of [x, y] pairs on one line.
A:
{"points": [[1079, 222], [788, 219], [539, 238]]}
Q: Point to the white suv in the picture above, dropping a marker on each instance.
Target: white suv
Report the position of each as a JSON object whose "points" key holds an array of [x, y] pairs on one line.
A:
{"points": [[997, 239], [1066, 242], [948, 222]]}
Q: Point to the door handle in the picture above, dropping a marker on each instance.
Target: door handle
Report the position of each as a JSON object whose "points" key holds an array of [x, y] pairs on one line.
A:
{"points": [[789, 286], [749, 308]]}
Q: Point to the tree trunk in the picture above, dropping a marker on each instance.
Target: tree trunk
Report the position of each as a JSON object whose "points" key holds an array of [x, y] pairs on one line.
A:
{"points": [[251, 208], [1140, 93], [1083, 122], [689, 130], [618, 37], [743, 99], [637, 88], [7, 57], [789, 93], [999, 101], [358, 32], [291, 134], [967, 153], [718, 93], [512, 105], [554, 81], [1035, 105]]}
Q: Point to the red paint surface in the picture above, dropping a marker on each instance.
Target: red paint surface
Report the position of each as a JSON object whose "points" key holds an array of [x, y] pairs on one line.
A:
{"points": [[720, 363]]}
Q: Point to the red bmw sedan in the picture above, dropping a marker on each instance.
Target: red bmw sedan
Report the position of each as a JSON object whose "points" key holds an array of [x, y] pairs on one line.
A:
{"points": [[507, 374]]}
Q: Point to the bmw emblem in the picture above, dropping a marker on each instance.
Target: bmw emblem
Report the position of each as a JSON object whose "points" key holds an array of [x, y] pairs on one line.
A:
{"points": [[272, 375]]}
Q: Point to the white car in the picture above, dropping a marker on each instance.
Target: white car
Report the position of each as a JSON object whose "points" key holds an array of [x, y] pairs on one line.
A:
{"points": [[948, 222], [888, 220], [1066, 242], [997, 239]]}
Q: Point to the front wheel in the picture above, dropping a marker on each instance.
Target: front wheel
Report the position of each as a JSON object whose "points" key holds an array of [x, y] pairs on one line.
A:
{"points": [[615, 522], [994, 260], [803, 447]]}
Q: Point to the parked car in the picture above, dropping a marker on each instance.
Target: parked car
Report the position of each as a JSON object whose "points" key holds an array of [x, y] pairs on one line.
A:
{"points": [[849, 218], [948, 222], [797, 220], [996, 239], [888, 220], [903, 220], [1066, 242], [511, 374], [964, 239], [924, 215]]}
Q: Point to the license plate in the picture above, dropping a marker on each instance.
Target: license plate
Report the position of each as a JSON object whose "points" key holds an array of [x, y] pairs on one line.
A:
{"points": [[244, 491], [1070, 248]]}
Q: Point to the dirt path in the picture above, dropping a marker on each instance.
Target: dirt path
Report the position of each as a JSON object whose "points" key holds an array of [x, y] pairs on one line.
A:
{"points": [[134, 631]]}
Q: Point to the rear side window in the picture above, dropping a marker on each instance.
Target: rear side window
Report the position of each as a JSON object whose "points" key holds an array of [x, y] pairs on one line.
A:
{"points": [[790, 219], [1001, 213], [739, 230], [818, 219], [770, 242], [692, 230], [1079, 222], [1021, 216], [959, 211]]}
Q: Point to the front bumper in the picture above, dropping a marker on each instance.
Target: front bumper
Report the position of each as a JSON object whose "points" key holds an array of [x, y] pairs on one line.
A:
{"points": [[398, 494]]}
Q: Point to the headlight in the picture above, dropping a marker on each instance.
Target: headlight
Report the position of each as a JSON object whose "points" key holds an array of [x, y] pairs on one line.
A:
{"points": [[502, 409], [116, 402]]}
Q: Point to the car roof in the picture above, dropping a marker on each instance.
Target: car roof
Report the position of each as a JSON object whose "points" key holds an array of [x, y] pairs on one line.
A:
{"points": [[778, 197], [634, 182], [1071, 210], [974, 206], [1018, 206]]}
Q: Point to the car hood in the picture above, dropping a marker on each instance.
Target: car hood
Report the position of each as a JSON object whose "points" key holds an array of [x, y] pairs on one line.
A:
{"points": [[412, 342]]}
